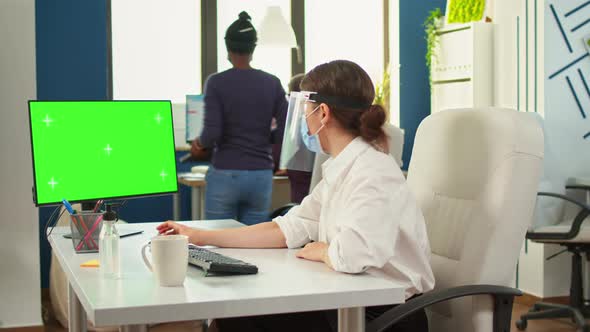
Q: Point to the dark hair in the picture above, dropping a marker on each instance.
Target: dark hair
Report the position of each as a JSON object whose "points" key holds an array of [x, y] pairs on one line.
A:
{"points": [[295, 82], [241, 36], [342, 78]]}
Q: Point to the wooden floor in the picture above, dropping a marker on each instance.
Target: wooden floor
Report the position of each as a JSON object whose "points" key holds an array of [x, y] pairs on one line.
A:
{"points": [[546, 325]]}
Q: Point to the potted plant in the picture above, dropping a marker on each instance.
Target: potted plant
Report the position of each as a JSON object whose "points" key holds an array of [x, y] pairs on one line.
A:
{"points": [[432, 23], [383, 92]]}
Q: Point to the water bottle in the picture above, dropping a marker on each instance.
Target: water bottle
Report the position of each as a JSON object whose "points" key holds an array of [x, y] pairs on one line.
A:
{"points": [[108, 246]]}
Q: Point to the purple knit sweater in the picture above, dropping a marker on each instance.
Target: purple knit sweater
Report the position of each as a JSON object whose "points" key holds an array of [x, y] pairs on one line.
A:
{"points": [[239, 107]]}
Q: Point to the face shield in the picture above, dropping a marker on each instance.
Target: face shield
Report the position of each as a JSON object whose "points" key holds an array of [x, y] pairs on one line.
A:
{"points": [[294, 153]]}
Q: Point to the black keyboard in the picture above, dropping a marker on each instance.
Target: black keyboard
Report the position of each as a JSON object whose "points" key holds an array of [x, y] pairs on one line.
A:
{"points": [[212, 262]]}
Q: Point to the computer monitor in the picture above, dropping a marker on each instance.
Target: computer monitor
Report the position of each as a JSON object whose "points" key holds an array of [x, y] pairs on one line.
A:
{"points": [[195, 107], [90, 150]]}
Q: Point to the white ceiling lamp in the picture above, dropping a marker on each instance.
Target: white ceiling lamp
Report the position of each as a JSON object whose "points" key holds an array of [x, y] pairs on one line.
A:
{"points": [[275, 31]]}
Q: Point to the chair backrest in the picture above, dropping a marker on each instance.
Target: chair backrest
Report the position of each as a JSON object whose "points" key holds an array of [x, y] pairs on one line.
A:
{"points": [[549, 210], [395, 139], [475, 174]]}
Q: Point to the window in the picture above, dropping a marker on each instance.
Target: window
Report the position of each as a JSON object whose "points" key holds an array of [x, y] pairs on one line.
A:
{"points": [[348, 30], [156, 47], [394, 62], [276, 61]]}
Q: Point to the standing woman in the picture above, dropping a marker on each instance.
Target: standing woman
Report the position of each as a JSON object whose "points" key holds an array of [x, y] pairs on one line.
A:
{"points": [[361, 217], [240, 104]]}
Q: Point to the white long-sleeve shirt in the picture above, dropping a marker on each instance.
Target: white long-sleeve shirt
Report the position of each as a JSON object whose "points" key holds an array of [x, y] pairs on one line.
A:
{"points": [[365, 212]]}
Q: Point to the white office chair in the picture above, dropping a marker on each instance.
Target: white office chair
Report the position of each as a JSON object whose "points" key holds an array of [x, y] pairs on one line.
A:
{"points": [[474, 174], [396, 146]]}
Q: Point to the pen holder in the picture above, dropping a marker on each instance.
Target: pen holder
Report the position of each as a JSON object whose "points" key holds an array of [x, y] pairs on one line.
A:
{"points": [[85, 227]]}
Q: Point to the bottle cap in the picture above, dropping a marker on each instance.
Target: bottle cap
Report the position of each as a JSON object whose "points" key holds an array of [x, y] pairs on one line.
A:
{"points": [[109, 214]]}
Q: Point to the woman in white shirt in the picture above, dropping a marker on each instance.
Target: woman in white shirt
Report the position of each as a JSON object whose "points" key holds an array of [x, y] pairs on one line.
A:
{"points": [[361, 217]]}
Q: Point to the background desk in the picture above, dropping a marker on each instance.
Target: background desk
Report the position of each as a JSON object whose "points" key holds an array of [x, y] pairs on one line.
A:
{"points": [[198, 184], [284, 284]]}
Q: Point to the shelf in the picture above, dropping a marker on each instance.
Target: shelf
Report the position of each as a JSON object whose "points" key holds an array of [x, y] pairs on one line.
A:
{"points": [[462, 67]]}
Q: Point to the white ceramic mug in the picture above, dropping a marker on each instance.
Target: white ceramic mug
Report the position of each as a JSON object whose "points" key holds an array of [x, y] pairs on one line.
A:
{"points": [[170, 259]]}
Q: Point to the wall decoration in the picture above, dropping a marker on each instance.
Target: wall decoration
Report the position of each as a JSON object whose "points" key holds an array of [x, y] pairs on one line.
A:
{"points": [[463, 11], [567, 82]]}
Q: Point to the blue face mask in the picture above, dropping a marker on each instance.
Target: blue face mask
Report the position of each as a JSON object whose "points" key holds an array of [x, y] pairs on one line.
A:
{"points": [[311, 141]]}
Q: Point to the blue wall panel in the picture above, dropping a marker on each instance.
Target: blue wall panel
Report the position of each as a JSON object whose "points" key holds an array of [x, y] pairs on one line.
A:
{"points": [[71, 46], [414, 87], [71, 49]]}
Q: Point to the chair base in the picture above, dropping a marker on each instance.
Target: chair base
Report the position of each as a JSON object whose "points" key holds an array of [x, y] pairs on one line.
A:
{"points": [[543, 310], [577, 309]]}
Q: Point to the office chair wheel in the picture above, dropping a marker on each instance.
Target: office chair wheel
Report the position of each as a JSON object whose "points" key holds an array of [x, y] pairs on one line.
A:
{"points": [[521, 324]]}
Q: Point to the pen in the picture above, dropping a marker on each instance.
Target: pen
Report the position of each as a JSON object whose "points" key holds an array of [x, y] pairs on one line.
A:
{"points": [[68, 206], [97, 206]]}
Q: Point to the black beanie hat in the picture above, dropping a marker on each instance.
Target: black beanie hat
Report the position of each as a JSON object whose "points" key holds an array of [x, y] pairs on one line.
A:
{"points": [[241, 37]]}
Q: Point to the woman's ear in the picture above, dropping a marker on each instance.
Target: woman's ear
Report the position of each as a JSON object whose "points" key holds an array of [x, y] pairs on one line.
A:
{"points": [[325, 113]]}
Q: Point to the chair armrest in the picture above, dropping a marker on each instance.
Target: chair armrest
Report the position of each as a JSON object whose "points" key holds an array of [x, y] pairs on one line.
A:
{"points": [[578, 186], [578, 183], [576, 224], [503, 299], [565, 198], [281, 211]]}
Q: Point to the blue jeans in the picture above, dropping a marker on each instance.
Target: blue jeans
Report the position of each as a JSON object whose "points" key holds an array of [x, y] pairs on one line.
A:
{"points": [[238, 194]]}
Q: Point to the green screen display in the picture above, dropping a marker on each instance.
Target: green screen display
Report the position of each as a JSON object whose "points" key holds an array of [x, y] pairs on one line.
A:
{"points": [[88, 150]]}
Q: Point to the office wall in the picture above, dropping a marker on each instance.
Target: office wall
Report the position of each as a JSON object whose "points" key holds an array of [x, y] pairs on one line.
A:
{"points": [[516, 69], [71, 49], [20, 303], [565, 71], [414, 89], [567, 74], [550, 39], [506, 15]]}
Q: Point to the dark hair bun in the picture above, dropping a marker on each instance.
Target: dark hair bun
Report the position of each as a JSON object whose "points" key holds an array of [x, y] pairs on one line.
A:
{"points": [[244, 16], [372, 122], [241, 35]]}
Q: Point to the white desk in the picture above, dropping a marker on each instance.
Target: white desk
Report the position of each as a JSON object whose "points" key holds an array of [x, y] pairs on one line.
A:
{"points": [[283, 284]]}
